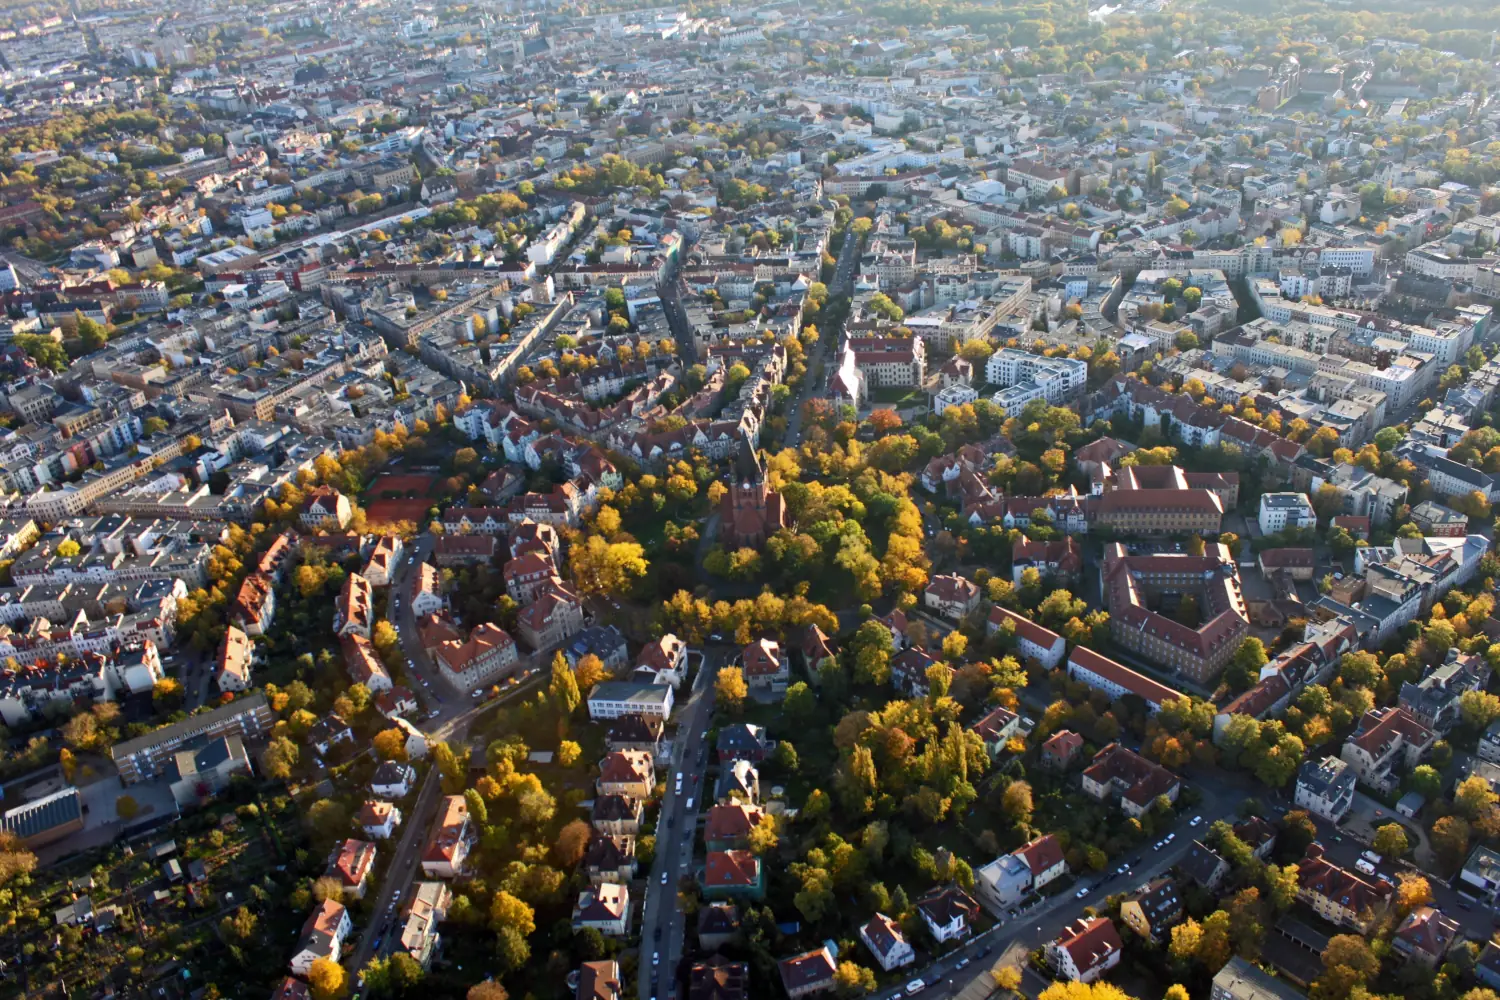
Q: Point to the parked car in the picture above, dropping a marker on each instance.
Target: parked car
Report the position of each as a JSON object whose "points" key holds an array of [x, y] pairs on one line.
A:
{"points": [[914, 987]]}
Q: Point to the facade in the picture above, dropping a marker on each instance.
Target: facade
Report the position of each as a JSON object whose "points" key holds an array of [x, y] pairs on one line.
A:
{"points": [[1386, 743], [883, 937], [450, 840], [145, 756], [485, 658], [1120, 773], [1085, 950], [1340, 896], [1326, 788], [1134, 585], [1280, 511], [614, 699], [1118, 681], [951, 596], [1153, 910], [1032, 640]]}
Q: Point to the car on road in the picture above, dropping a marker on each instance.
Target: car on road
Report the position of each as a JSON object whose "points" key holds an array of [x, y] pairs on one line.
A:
{"points": [[656, 958], [1122, 869], [914, 987], [1170, 837], [962, 962], [663, 878], [425, 684], [1081, 893], [1195, 821], [1159, 845]]}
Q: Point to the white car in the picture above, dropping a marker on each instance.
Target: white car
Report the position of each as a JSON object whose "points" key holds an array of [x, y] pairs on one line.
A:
{"points": [[914, 987], [1170, 837], [1081, 893], [1195, 821], [663, 878], [656, 958]]}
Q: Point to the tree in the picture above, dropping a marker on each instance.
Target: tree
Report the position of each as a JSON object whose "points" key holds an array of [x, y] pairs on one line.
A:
{"points": [[606, 568], [390, 744], [1390, 841], [509, 913], [572, 842], [15, 859], [1016, 803], [511, 948], [328, 887], [1450, 837], [1347, 962], [730, 689], [1412, 891], [1007, 977], [1473, 797], [280, 757], [1281, 885], [1098, 990], [851, 979], [1186, 937], [327, 979], [487, 990], [1478, 708], [568, 753], [564, 686]]}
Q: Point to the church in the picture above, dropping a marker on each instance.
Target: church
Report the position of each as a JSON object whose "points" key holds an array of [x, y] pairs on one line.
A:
{"points": [[751, 511]]}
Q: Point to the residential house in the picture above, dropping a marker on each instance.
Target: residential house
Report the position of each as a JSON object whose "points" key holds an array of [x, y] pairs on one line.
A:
{"points": [[325, 507], [996, 729], [354, 607], [1481, 873], [610, 859], [450, 841], [351, 863], [1425, 936], [817, 649], [718, 925], [1152, 910], [384, 558], [485, 658], [947, 911], [617, 815], [1433, 700], [425, 908], [1061, 749], [883, 937], [605, 642], [393, 780], [743, 741], [616, 699], [552, 618], [666, 658], [738, 781], [635, 732], [323, 936], [951, 596], [425, 591], [599, 981], [717, 978], [1338, 895], [1489, 743], [254, 607], [807, 973], [378, 819], [1204, 865], [765, 666], [1242, 980], [1085, 950], [604, 907], [1120, 773], [732, 874], [1032, 640], [236, 656], [1326, 788], [728, 825], [1258, 834], [1387, 741], [627, 772]]}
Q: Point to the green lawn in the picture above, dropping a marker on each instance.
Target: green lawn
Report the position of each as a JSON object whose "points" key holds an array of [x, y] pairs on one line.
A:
{"points": [[899, 396]]}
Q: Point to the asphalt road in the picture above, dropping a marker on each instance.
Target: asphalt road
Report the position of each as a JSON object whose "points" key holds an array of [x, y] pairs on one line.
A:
{"points": [[662, 924]]}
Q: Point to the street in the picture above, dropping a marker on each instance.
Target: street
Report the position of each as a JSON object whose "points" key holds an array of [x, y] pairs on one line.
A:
{"points": [[662, 926]]}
